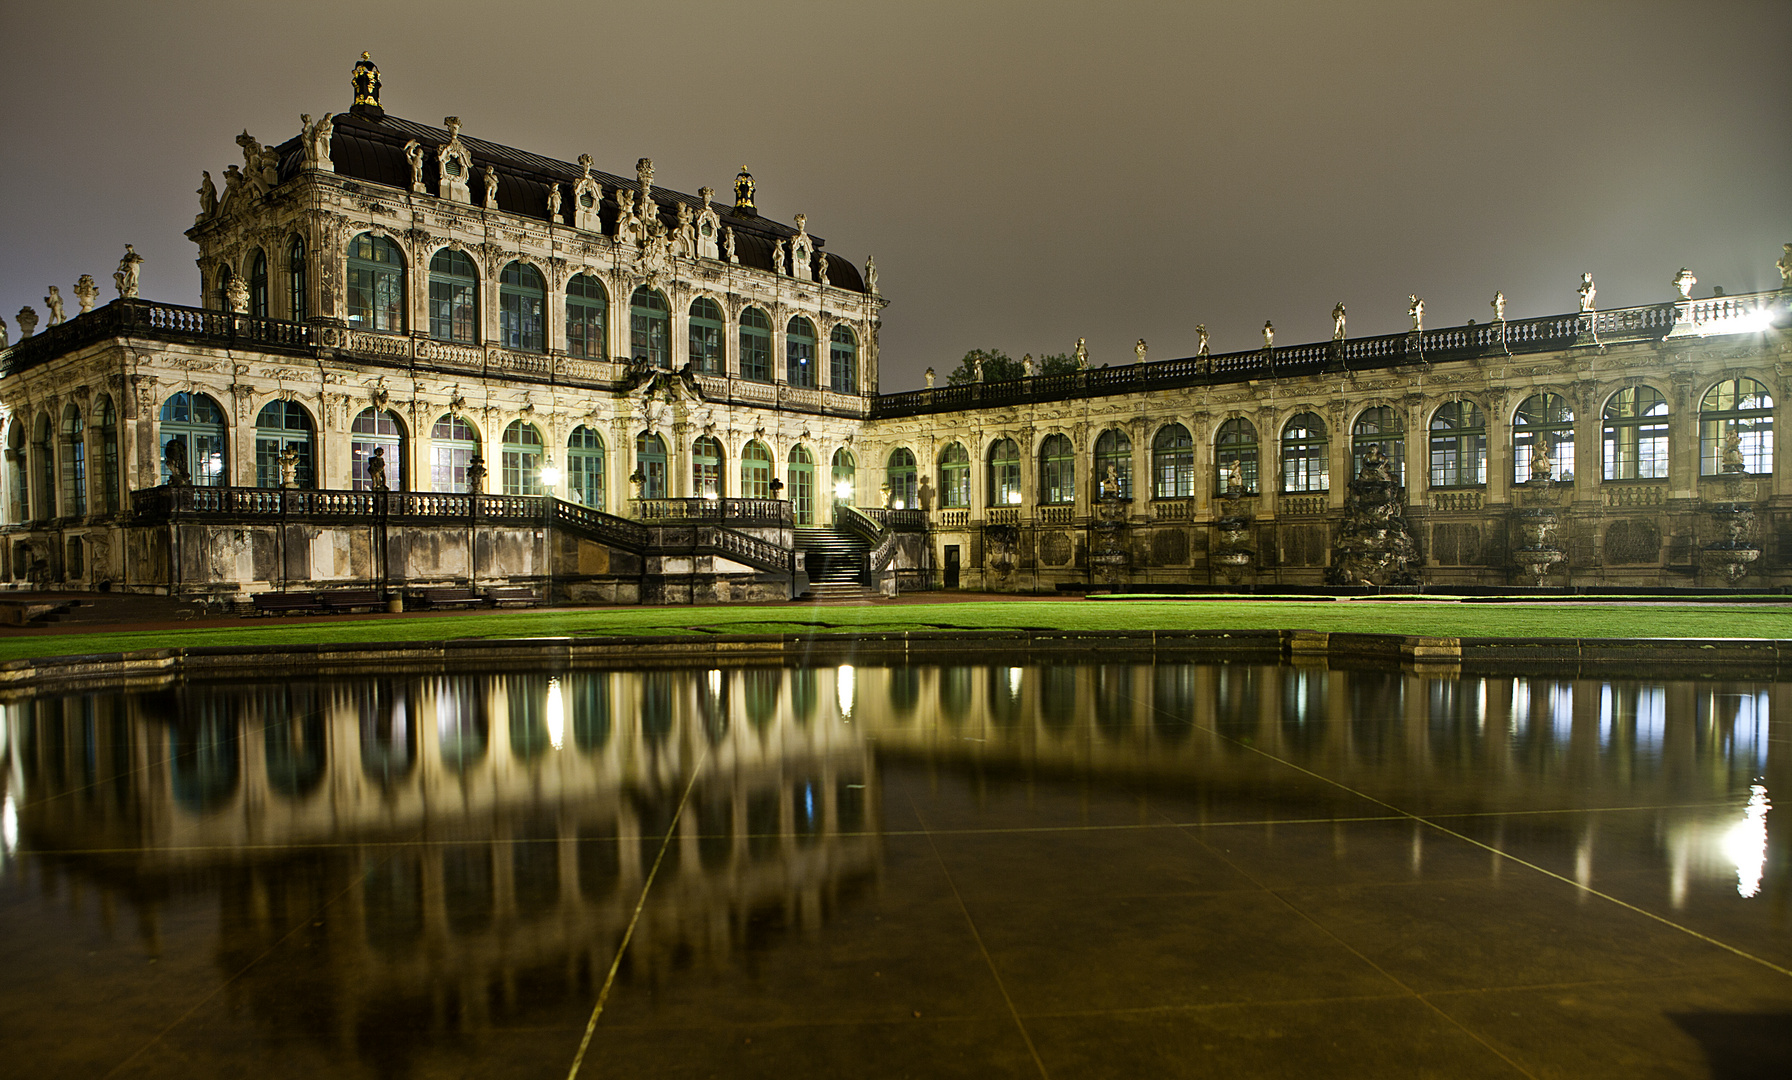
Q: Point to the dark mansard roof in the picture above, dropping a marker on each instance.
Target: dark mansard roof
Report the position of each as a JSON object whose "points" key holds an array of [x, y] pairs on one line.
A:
{"points": [[365, 148]]}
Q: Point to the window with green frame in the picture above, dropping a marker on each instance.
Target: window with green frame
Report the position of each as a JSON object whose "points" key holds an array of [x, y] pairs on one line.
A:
{"points": [[800, 485], [650, 465], [706, 336], [453, 444], [1739, 407], [43, 455], [258, 285], [755, 345], [381, 430], [1636, 435], [587, 309], [522, 451], [1004, 473], [197, 422], [585, 467], [1173, 463], [296, 306], [843, 360], [522, 299], [706, 468], [1458, 445], [1305, 454], [375, 284], [1057, 471], [1543, 421], [1379, 426], [1113, 454], [453, 297], [844, 481], [903, 479], [756, 471], [799, 352], [1235, 450], [955, 477], [105, 454], [283, 425], [74, 461], [650, 327]]}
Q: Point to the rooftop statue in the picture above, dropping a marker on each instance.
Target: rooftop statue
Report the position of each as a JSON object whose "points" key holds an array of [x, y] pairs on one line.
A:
{"points": [[728, 244], [1139, 349], [644, 174], [554, 203], [870, 275], [208, 196], [1201, 332], [366, 82], [1081, 354], [1269, 334], [1785, 267], [930, 378], [1028, 366], [743, 193], [1588, 292], [129, 269], [1338, 322], [53, 303], [27, 321], [86, 292], [4, 342], [1498, 304], [491, 187], [1683, 283], [316, 140], [1415, 310], [413, 152]]}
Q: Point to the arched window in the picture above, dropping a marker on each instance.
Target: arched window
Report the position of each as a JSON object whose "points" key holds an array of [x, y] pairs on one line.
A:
{"points": [[1740, 409], [522, 451], [453, 297], [585, 467], [1636, 435], [296, 306], [18, 477], [453, 444], [955, 477], [1235, 456], [74, 462], [587, 308], [900, 474], [221, 294], [1543, 422], [800, 477], [1057, 470], [375, 284], [755, 345], [283, 425], [799, 352], [706, 468], [196, 422], [1113, 465], [1379, 428], [382, 431], [650, 465], [1458, 445], [522, 301], [258, 284], [843, 360], [845, 477], [706, 336], [1004, 473], [105, 456], [1172, 463], [43, 455], [1304, 454], [756, 471], [650, 328]]}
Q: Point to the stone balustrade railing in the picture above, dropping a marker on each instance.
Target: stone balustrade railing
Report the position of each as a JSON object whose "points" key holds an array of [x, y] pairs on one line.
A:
{"points": [[898, 520], [1456, 501], [1055, 515], [1623, 495], [741, 511], [1302, 505]]}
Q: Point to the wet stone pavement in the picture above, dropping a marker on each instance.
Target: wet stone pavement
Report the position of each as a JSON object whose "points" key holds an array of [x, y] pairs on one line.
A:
{"points": [[1113, 870]]}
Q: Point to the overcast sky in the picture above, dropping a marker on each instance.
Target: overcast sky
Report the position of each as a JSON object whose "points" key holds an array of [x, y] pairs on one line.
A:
{"points": [[1025, 173]]}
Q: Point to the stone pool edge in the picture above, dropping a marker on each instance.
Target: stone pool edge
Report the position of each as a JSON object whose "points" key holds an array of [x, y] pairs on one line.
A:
{"points": [[148, 668]]}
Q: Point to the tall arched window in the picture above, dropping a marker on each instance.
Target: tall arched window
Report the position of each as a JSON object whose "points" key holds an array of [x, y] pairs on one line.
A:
{"points": [[522, 303], [843, 360], [1379, 428], [755, 345], [955, 477], [196, 422], [453, 444], [900, 474], [650, 327], [799, 352], [1304, 454], [1458, 445], [1004, 473], [585, 467], [1113, 465], [297, 308], [258, 284], [375, 284], [74, 461], [453, 297], [845, 476], [706, 468], [43, 456], [1235, 456], [800, 479], [1636, 435], [1739, 408], [221, 294], [706, 336], [587, 308], [522, 452], [282, 425], [650, 465], [105, 456], [379, 430], [1172, 463], [1543, 422], [756, 471], [1057, 470], [18, 476]]}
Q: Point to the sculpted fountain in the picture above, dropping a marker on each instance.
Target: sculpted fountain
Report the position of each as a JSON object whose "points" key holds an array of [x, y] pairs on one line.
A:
{"points": [[1374, 545]]}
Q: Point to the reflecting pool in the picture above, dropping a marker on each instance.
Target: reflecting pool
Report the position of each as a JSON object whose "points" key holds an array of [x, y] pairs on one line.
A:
{"points": [[1117, 869]]}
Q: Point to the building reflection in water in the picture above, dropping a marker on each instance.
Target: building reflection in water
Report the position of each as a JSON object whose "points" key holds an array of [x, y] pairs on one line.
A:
{"points": [[489, 835]]}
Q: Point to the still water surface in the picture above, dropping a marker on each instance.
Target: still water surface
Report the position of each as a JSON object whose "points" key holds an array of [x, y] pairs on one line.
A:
{"points": [[973, 870]]}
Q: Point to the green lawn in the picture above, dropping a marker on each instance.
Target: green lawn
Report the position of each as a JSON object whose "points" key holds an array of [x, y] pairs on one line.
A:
{"points": [[1408, 616]]}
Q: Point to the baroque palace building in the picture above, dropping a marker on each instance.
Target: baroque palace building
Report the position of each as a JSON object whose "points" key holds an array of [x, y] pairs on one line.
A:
{"points": [[426, 362]]}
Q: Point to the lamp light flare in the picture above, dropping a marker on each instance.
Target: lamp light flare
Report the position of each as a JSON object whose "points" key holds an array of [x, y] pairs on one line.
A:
{"points": [[1746, 842], [556, 715], [846, 688]]}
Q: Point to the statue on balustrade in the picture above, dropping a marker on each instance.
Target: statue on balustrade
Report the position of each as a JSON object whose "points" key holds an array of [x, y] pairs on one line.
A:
{"points": [[1375, 464], [1269, 335], [289, 466], [127, 274], [54, 303], [1140, 350], [1785, 267], [1110, 484], [1499, 306], [1588, 293], [1233, 477], [1201, 333], [1029, 366], [475, 475], [1415, 310], [27, 321], [1683, 283], [1081, 354], [1541, 465], [208, 195], [174, 455], [1733, 461], [86, 292], [376, 469], [4, 339], [1338, 322], [930, 378], [413, 151]]}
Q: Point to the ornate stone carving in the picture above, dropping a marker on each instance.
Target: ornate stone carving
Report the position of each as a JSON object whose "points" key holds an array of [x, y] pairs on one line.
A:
{"points": [[1269, 334], [5, 339], [86, 292], [27, 322], [413, 152], [1683, 283], [261, 166], [454, 165], [1140, 349], [728, 245], [644, 175], [1338, 322], [871, 275], [554, 203], [126, 276], [208, 197], [587, 199], [684, 234], [800, 246], [53, 304], [1415, 310], [708, 226], [316, 141], [1499, 307], [1589, 293], [743, 194], [237, 293], [491, 187]]}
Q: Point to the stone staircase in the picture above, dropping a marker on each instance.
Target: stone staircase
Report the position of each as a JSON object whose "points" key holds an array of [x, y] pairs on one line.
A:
{"points": [[836, 563]]}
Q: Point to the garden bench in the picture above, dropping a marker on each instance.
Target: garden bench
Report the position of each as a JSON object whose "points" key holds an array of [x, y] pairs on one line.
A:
{"points": [[349, 599], [272, 603], [448, 597], [518, 595]]}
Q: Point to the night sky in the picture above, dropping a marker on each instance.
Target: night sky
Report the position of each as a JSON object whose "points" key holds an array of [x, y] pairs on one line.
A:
{"points": [[1024, 173]]}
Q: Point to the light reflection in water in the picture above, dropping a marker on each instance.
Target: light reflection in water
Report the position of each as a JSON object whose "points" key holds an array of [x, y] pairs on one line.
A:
{"points": [[1746, 842], [556, 715]]}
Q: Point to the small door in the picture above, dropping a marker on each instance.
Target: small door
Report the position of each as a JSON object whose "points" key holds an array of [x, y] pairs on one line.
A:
{"points": [[951, 566]]}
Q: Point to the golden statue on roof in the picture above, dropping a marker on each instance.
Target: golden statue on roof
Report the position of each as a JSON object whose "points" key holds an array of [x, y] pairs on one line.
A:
{"points": [[366, 81]]}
